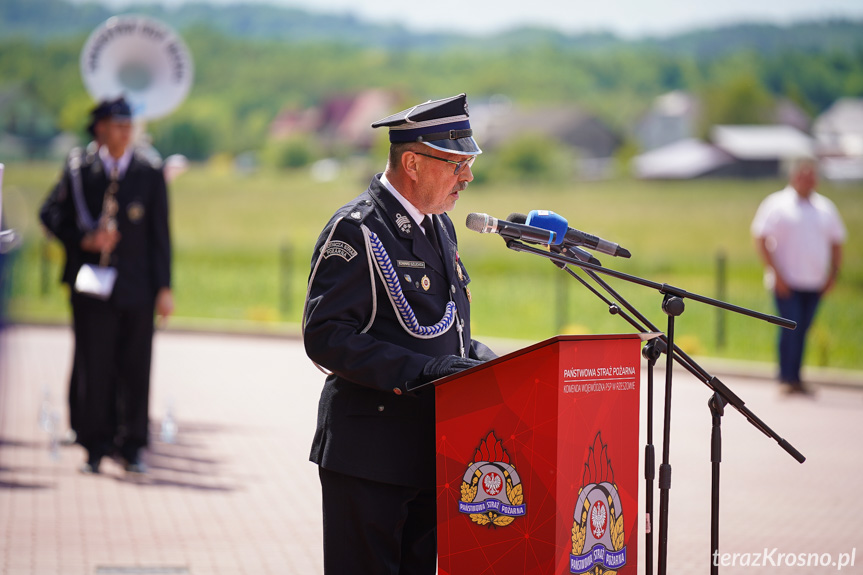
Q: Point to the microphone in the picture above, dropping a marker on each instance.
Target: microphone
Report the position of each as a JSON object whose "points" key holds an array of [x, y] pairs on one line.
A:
{"points": [[551, 221], [484, 224], [567, 250]]}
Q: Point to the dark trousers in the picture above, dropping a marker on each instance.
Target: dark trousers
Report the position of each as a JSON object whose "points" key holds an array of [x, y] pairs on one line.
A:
{"points": [[111, 372], [376, 528], [800, 306]]}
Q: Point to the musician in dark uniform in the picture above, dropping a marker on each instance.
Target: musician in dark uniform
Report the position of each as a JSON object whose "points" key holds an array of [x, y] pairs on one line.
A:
{"points": [[388, 309], [110, 209]]}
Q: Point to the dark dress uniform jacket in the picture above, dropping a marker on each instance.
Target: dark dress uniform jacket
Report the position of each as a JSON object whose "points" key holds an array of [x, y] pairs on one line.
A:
{"points": [[365, 429], [143, 254]]}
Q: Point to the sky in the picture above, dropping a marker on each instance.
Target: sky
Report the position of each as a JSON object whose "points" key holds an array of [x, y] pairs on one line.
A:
{"points": [[628, 18]]}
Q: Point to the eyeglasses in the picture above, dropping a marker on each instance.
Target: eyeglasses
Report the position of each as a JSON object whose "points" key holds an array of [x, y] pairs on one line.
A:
{"points": [[459, 166]]}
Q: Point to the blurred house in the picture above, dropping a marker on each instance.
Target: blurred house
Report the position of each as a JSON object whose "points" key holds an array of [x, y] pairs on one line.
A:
{"points": [[294, 122], [672, 117], [760, 151], [594, 142], [341, 121], [839, 140], [734, 151], [668, 134], [681, 160]]}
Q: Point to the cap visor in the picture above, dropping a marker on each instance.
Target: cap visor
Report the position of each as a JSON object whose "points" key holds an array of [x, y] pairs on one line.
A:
{"points": [[465, 146]]}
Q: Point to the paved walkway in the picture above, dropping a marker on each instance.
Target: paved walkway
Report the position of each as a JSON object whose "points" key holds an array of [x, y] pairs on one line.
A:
{"points": [[235, 494]]}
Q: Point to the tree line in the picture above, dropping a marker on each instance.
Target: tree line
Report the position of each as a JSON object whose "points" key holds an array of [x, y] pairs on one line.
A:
{"points": [[242, 83]]}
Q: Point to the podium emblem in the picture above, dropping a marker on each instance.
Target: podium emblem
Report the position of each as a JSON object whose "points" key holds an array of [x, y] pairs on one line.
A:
{"points": [[491, 491], [597, 529]]}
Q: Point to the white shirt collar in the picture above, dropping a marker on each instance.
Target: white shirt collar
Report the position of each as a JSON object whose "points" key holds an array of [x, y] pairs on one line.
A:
{"points": [[108, 161], [792, 192], [413, 212]]}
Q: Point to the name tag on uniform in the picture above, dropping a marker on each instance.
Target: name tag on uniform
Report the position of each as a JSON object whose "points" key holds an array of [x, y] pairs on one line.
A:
{"points": [[410, 264]]}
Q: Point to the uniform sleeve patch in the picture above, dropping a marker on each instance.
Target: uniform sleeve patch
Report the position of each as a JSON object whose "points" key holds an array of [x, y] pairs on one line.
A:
{"points": [[341, 249]]}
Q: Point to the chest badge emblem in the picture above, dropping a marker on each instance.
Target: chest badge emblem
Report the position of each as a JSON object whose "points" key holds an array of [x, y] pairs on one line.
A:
{"points": [[404, 223], [135, 211]]}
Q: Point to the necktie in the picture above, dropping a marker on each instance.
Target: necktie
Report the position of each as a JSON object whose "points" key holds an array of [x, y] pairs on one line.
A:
{"points": [[109, 205], [428, 226], [108, 221]]}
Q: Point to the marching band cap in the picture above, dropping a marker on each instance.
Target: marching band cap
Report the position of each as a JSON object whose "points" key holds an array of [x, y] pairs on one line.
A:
{"points": [[118, 109], [441, 124]]}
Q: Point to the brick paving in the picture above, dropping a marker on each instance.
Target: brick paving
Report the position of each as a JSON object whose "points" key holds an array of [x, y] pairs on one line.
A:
{"points": [[235, 494]]}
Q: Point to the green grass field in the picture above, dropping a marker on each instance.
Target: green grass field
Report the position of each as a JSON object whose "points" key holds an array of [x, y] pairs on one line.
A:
{"points": [[242, 246]]}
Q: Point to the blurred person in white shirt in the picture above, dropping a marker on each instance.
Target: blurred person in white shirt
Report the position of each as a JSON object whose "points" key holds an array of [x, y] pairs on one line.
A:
{"points": [[799, 236]]}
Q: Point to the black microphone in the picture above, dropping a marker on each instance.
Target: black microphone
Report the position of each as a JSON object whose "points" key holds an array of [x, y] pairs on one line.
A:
{"points": [[485, 224], [569, 250], [551, 221]]}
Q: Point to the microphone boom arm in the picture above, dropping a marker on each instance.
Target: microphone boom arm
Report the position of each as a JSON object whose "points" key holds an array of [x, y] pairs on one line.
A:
{"points": [[661, 288], [678, 355]]}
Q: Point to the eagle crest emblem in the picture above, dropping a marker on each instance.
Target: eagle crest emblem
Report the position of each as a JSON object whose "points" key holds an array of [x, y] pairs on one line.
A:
{"points": [[597, 529], [491, 491]]}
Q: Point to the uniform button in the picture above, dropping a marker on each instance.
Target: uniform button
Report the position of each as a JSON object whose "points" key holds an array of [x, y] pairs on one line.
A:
{"points": [[397, 391], [380, 408], [368, 202], [452, 287]]}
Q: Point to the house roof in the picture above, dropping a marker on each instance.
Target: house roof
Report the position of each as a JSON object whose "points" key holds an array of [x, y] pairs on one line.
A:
{"points": [[346, 119], [845, 115], [681, 160], [762, 142], [839, 130]]}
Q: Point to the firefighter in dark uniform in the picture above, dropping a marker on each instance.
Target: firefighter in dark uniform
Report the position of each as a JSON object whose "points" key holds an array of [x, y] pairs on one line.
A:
{"points": [[388, 309], [110, 207]]}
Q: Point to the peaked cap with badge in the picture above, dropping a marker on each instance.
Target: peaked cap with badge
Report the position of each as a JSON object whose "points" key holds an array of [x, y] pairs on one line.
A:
{"points": [[117, 109], [441, 124]]}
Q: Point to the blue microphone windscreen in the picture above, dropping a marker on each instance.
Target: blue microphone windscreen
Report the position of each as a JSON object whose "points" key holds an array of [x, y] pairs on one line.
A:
{"points": [[549, 221]]}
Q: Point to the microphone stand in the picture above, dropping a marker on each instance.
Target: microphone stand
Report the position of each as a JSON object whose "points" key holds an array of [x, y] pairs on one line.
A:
{"points": [[673, 306], [651, 352]]}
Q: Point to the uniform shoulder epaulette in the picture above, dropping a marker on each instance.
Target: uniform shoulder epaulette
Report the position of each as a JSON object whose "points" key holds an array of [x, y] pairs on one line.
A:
{"points": [[358, 211], [77, 158], [76, 154], [149, 156]]}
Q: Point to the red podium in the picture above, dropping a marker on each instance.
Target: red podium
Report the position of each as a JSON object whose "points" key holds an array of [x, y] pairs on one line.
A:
{"points": [[537, 460]]}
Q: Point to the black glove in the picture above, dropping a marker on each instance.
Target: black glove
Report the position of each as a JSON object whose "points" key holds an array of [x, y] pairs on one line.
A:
{"points": [[439, 367], [446, 365]]}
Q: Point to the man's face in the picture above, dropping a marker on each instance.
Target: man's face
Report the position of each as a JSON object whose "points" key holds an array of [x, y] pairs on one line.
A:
{"points": [[438, 187], [116, 134], [804, 180]]}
